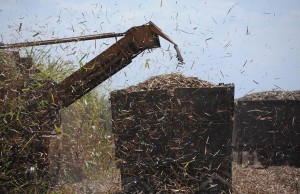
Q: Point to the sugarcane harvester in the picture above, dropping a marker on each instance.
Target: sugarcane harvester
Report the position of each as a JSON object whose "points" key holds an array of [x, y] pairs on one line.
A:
{"points": [[35, 111]]}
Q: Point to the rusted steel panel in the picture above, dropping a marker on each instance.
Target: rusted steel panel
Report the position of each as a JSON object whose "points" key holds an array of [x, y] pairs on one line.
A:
{"points": [[160, 137], [205, 105], [270, 127], [274, 122], [140, 125]]}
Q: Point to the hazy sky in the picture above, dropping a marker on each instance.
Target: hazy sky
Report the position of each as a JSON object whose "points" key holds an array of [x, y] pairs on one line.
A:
{"points": [[251, 43]]}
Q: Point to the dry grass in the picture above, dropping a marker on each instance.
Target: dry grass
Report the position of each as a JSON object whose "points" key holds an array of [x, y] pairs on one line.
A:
{"points": [[275, 179]]}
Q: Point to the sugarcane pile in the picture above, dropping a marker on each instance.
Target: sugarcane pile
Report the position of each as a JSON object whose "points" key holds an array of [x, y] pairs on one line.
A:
{"points": [[24, 146], [272, 95], [163, 135], [170, 82]]}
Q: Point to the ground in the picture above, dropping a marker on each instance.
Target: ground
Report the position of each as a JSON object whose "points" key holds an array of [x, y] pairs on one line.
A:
{"points": [[275, 179]]}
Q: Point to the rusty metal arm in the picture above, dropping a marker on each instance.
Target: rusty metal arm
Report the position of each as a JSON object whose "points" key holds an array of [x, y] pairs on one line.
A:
{"points": [[159, 32], [61, 40], [106, 64], [103, 66], [156, 30]]}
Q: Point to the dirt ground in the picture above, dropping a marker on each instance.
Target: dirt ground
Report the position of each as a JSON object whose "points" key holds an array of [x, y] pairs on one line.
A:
{"points": [[275, 179], [250, 179], [109, 184]]}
